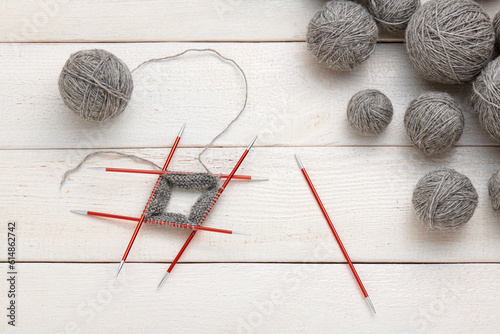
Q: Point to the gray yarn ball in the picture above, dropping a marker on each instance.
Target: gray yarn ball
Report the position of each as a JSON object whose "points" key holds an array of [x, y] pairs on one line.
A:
{"points": [[392, 15], [369, 112], [434, 122], [450, 41], [342, 35], [494, 190], [496, 28], [95, 84], [444, 199], [485, 99]]}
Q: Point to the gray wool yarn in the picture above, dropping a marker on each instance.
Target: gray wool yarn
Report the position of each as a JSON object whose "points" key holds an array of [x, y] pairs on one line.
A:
{"points": [[369, 112], [450, 41], [444, 199], [95, 84], [206, 182], [434, 122], [496, 28], [485, 98], [494, 190], [392, 15], [342, 35]]}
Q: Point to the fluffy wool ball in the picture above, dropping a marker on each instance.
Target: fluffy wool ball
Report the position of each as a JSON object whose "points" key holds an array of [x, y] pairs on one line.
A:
{"points": [[95, 84], [342, 35], [392, 15], [434, 122], [494, 190], [369, 112], [485, 99], [444, 199], [450, 41]]}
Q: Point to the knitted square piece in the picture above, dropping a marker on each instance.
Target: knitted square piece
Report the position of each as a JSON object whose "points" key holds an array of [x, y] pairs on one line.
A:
{"points": [[206, 182]]}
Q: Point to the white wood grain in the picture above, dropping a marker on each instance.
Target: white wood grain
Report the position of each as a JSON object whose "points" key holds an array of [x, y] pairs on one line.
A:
{"points": [[256, 298], [292, 101], [367, 191], [155, 20]]}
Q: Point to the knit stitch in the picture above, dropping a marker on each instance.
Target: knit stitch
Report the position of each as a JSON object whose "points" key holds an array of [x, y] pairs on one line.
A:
{"points": [[206, 182]]}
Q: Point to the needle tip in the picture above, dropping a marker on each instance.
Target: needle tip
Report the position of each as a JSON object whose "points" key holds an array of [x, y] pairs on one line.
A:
{"points": [[299, 162], [98, 168], [371, 305], [241, 233], [163, 279], [251, 144], [82, 212], [259, 178], [120, 268], [182, 130]]}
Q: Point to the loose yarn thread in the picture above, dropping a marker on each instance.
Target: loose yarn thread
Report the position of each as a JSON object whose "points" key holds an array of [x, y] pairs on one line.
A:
{"points": [[220, 56]]}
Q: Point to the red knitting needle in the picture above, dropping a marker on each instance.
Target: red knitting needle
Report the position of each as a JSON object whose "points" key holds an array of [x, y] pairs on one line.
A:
{"points": [[157, 222], [141, 220], [160, 172], [335, 234], [230, 176]]}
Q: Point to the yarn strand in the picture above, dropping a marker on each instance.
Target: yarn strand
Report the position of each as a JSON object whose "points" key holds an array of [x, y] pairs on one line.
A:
{"points": [[220, 56]]}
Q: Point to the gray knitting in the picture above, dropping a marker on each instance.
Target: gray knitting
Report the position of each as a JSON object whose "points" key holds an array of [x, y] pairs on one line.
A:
{"points": [[188, 181]]}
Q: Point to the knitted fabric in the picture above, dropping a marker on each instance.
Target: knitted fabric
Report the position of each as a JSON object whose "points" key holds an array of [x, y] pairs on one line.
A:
{"points": [[206, 182]]}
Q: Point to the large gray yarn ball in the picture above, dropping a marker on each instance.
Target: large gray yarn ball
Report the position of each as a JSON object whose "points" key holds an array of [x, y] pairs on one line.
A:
{"points": [[434, 122], [450, 41], [392, 15], [95, 84], [494, 190], [444, 199], [485, 99], [369, 112], [496, 28], [342, 35]]}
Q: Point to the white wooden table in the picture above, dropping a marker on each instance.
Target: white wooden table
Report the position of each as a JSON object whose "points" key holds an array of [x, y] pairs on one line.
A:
{"points": [[289, 276]]}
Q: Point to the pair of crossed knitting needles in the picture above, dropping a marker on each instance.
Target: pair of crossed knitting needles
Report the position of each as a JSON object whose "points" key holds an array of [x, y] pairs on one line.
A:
{"points": [[195, 228]]}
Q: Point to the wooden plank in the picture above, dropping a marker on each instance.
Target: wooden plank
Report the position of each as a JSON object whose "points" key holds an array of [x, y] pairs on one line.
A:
{"points": [[292, 101], [155, 20], [367, 191], [255, 298]]}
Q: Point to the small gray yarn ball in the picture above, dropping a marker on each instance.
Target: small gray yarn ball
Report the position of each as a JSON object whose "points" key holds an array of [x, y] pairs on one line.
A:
{"points": [[485, 99], [450, 41], [434, 122], [494, 190], [444, 199], [392, 15], [369, 112], [95, 84], [342, 35], [496, 28]]}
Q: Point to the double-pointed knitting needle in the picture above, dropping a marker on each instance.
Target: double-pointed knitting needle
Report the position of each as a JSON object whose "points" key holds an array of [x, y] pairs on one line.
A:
{"points": [[160, 172], [335, 234], [235, 168], [157, 222], [141, 220]]}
